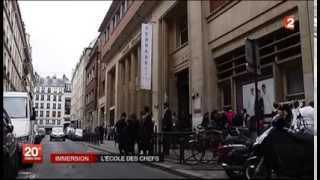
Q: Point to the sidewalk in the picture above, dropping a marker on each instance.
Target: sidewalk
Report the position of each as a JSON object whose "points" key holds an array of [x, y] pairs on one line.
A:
{"points": [[189, 171]]}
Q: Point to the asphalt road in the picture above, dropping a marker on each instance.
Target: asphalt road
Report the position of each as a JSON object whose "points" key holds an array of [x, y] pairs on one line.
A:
{"points": [[98, 170]]}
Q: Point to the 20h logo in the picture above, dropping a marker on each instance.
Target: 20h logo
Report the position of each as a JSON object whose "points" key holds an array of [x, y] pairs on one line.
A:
{"points": [[31, 153]]}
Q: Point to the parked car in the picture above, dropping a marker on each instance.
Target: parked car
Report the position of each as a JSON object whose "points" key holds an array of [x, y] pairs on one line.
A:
{"points": [[78, 135], [10, 159], [57, 133], [70, 132]]}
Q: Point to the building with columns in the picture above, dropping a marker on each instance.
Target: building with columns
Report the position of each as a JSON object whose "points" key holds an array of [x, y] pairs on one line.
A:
{"points": [[198, 56]]}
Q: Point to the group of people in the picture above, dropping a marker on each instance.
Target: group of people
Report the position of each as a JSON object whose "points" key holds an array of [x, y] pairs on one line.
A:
{"points": [[130, 131], [226, 118]]}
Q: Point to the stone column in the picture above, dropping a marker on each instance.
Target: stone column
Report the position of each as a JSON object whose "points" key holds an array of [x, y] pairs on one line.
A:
{"points": [[126, 88], [139, 97], [197, 58], [133, 82]]}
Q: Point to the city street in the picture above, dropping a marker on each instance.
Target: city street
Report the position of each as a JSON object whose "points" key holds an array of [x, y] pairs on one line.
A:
{"points": [[99, 170]]}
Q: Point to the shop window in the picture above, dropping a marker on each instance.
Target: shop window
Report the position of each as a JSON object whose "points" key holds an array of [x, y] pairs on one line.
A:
{"points": [[294, 81], [225, 91]]}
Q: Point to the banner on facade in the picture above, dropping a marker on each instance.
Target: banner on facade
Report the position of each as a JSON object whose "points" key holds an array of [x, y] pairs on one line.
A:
{"points": [[146, 52], [266, 88]]}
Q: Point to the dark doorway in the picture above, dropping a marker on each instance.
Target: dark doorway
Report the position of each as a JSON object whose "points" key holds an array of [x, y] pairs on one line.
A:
{"points": [[184, 120]]}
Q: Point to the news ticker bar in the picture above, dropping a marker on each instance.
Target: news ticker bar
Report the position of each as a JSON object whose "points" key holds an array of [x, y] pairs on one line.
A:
{"points": [[99, 158]]}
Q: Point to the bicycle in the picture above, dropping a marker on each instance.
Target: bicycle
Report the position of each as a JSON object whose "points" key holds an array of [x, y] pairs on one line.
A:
{"points": [[204, 144]]}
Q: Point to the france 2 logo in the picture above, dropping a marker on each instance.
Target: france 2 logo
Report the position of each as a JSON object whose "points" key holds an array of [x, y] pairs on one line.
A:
{"points": [[31, 153], [288, 22]]}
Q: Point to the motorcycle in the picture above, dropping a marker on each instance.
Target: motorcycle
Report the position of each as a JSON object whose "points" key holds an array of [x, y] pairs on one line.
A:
{"points": [[280, 152], [233, 153]]}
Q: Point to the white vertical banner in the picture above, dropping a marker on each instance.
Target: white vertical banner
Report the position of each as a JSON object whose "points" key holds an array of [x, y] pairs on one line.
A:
{"points": [[146, 52]]}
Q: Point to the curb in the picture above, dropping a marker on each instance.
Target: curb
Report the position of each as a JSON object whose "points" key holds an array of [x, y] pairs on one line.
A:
{"points": [[154, 165]]}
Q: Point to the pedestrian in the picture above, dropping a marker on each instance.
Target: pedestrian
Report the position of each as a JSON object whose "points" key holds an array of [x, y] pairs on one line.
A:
{"points": [[238, 119], [213, 122], [295, 113], [96, 135], [166, 127], [307, 116], [106, 132], [101, 134], [174, 121], [121, 126], [147, 129], [205, 121], [259, 112], [131, 132], [230, 115], [140, 134]]}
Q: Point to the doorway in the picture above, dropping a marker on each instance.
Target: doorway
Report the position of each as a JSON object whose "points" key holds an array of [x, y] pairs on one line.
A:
{"points": [[111, 117], [184, 120]]}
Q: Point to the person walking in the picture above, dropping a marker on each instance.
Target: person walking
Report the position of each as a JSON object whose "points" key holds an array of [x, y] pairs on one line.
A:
{"points": [[140, 135], [147, 129], [101, 134], [166, 127], [121, 126], [259, 112], [96, 135], [295, 113], [205, 121], [131, 132], [230, 115]]}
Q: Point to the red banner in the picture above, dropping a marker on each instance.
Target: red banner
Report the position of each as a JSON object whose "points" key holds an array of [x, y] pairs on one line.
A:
{"points": [[73, 158]]}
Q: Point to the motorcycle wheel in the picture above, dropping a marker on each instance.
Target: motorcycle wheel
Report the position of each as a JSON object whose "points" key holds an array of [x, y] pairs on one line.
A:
{"points": [[251, 171]]}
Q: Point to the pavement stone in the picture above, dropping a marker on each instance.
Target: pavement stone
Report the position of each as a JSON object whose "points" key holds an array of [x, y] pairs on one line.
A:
{"points": [[188, 171]]}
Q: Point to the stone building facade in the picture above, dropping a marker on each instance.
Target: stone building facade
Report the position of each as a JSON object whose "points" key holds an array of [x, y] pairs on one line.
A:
{"points": [[78, 96], [17, 60], [198, 55], [52, 102]]}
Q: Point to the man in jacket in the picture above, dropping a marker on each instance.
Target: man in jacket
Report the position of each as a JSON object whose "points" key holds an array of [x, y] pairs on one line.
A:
{"points": [[147, 128], [121, 127], [166, 127]]}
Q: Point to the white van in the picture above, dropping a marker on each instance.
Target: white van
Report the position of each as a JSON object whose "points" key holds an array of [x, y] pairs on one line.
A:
{"points": [[19, 107]]}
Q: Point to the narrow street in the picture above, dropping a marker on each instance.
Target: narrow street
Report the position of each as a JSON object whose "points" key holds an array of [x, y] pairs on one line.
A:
{"points": [[97, 170]]}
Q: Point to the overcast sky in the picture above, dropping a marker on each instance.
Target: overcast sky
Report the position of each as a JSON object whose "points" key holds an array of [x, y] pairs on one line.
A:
{"points": [[59, 31]]}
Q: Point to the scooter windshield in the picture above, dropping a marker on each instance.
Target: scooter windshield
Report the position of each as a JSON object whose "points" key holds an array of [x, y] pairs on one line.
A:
{"points": [[260, 138]]}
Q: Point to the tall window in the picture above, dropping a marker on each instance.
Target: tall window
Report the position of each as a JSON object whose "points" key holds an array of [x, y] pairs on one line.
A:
{"points": [[54, 105], [59, 106], [47, 121], [48, 97], [53, 121], [41, 113], [59, 97], [48, 105], [59, 113], [42, 97], [53, 114], [37, 97], [47, 113], [54, 98], [41, 105], [58, 122], [41, 121], [182, 31], [49, 90]]}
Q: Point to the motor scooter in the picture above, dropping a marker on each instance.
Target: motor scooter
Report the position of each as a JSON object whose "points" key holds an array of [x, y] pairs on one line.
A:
{"points": [[280, 153]]}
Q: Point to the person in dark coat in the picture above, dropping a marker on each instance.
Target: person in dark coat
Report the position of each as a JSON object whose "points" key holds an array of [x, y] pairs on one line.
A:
{"points": [[101, 133], [147, 128], [167, 127], [96, 135], [259, 112], [205, 120], [132, 131], [121, 127]]}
